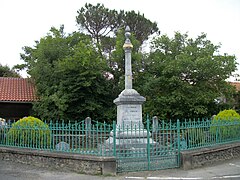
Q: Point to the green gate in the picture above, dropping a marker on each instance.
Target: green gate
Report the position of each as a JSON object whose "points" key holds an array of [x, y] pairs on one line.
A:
{"points": [[160, 149]]}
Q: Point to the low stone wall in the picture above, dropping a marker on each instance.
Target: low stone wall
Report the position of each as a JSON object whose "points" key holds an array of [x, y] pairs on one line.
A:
{"points": [[191, 159], [65, 161], [107, 165]]}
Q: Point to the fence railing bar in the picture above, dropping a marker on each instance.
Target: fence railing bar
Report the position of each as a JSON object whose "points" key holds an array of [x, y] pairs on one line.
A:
{"points": [[94, 139]]}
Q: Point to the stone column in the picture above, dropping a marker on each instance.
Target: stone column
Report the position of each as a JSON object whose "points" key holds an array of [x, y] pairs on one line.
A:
{"points": [[88, 126], [155, 124], [130, 133], [128, 64], [129, 102]]}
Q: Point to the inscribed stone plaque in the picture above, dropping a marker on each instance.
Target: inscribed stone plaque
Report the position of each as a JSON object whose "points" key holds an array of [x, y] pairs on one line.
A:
{"points": [[129, 113]]}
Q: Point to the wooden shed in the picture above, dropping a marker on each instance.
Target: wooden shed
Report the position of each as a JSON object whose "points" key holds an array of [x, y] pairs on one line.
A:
{"points": [[16, 97]]}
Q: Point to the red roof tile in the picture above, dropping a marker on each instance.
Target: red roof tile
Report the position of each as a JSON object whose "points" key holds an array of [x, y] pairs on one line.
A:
{"points": [[236, 84], [17, 90]]}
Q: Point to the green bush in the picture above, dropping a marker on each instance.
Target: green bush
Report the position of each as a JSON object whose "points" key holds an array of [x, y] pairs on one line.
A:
{"points": [[226, 124], [227, 115], [29, 132]]}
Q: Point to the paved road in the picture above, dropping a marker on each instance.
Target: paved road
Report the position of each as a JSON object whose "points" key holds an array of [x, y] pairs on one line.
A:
{"points": [[16, 171]]}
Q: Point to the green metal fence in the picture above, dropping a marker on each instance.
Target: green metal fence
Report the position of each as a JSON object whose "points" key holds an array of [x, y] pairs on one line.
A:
{"points": [[154, 145], [142, 149], [78, 137], [206, 133]]}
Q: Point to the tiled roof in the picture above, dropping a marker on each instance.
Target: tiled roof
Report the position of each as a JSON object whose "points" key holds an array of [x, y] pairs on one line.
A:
{"points": [[17, 90], [236, 84]]}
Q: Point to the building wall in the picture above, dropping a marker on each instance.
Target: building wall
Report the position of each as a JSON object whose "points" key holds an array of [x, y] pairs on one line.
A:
{"points": [[9, 110]]}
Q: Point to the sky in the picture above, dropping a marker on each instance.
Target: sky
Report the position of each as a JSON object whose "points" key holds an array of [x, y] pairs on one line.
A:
{"points": [[22, 22]]}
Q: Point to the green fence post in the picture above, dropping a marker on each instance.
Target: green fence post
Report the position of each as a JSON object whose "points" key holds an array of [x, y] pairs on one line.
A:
{"points": [[148, 142], [217, 132], [114, 138], [178, 141]]}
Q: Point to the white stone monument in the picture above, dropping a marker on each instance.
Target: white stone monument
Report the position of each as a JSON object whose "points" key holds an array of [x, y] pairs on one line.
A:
{"points": [[130, 133], [129, 102]]}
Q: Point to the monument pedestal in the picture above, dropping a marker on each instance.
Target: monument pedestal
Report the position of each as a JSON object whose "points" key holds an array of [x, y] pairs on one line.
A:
{"points": [[130, 133], [129, 107]]}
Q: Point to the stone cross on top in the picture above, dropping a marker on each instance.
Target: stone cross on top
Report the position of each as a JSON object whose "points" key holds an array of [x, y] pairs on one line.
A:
{"points": [[128, 66]]}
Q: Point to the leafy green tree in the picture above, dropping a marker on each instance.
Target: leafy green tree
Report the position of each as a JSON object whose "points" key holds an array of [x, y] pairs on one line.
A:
{"points": [[6, 71], [139, 25], [97, 20], [183, 76], [100, 22], [70, 77]]}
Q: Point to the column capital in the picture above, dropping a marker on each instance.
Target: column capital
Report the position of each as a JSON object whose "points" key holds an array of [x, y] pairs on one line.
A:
{"points": [[127, 43]]}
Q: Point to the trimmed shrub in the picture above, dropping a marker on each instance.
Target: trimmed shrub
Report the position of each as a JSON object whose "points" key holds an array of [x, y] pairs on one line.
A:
{"points": [[29, 132], [226, 124], [227, 115]]}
